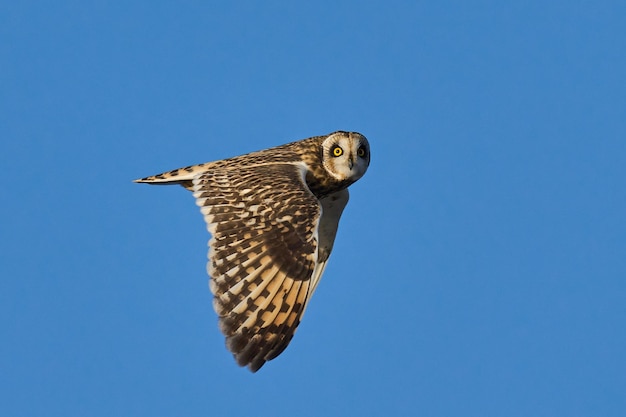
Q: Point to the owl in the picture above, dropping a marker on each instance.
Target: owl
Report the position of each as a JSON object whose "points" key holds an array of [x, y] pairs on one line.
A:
{"points": [[273, 217]]}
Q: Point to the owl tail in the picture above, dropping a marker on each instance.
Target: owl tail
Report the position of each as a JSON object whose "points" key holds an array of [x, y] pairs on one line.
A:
{"points": [[181, 176]]}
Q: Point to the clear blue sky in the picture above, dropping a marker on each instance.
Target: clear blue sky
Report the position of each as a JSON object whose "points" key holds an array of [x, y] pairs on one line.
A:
{"points": [[480, 266]]}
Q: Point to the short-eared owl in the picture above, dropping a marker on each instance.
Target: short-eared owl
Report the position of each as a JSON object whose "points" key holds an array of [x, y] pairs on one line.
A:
{"points": [[273, 217]]}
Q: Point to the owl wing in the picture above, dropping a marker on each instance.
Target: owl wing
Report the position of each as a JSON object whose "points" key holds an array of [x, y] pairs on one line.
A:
{"points": [[332, 207], [263, 253]]}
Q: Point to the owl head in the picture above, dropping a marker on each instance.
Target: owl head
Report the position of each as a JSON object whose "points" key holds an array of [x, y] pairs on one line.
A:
{"points": [[346, 155]]}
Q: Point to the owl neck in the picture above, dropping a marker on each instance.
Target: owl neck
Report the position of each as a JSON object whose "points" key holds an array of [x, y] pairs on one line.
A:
{"points": [[321, 186]]}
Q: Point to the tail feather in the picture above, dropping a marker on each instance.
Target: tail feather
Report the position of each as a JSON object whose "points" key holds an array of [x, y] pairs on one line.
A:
{"points": [[182, 176]]}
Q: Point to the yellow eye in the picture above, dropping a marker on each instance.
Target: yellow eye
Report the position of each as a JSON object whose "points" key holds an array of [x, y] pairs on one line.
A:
{"points": [[337, 151], [361, 152]]}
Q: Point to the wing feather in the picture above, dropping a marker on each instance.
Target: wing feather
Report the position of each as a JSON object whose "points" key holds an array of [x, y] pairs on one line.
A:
{"points": [[262, 254], [332, 208]]}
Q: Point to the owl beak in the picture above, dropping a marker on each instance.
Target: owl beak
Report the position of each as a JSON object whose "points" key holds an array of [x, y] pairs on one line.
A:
{"points": [[350, 162]]}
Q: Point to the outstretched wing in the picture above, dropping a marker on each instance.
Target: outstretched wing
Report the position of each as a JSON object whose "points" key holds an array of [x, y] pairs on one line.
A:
{"points": [[262, 254]]}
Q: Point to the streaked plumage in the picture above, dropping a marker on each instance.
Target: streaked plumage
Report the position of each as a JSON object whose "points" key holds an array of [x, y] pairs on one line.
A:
{"points": [[273, 217]]}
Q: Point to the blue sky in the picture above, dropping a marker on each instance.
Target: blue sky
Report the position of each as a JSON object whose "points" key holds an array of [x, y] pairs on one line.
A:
{"points": [[479, 268]]}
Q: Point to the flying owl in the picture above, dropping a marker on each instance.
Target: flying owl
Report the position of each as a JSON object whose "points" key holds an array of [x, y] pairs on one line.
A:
{"points": [[273, 217]]}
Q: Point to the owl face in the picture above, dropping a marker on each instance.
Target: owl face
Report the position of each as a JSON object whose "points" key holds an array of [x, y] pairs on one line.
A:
{"points": [[346, 155]]}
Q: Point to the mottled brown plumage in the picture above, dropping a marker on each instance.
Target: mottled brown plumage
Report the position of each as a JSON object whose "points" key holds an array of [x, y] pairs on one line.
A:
{"points": [[273, 216]]}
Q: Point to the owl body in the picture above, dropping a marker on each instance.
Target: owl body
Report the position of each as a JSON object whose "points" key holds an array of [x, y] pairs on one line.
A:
{"points": [[273, 216]]}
